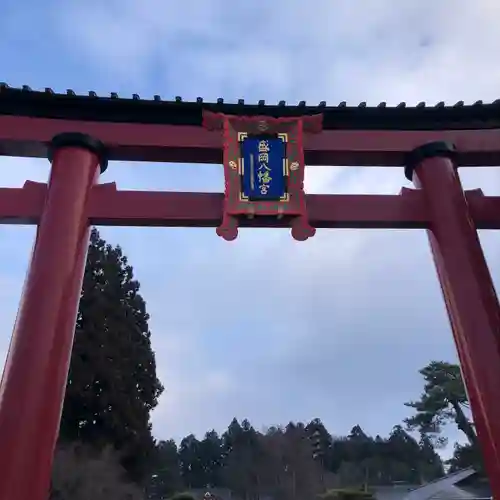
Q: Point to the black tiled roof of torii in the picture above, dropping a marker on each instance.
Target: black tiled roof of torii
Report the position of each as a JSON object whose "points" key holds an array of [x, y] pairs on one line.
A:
{"points": [[48, 104]]}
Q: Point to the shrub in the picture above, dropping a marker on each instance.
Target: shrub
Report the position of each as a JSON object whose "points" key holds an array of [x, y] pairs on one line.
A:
{"points": [[182, 496], [346, 494], [81, 473]]}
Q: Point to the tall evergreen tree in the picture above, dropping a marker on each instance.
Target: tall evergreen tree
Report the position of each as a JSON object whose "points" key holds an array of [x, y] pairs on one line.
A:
{"points": [[465, 456], [303, 472], [431, 465], [320, 439], [112, 384], [243, 451], [166, 478], [211, 457], [191, 464], [407, 450]]}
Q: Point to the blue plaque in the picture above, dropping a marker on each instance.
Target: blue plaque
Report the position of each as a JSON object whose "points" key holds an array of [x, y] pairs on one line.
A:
{"points": [[263, 168]]}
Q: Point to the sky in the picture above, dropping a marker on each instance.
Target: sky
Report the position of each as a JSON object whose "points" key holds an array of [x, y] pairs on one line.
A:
{"points": [[345, 319]]}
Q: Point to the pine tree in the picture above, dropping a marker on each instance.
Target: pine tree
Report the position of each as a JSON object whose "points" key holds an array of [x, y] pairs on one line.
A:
{"points": [[444, 400], [211, 456], [191, 463], [321, 440], [242, 450], [431, 466], [112, 384], [166, 478]]}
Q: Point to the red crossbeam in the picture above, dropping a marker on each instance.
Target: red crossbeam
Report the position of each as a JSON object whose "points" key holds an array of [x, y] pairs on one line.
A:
{"points": [[112, 207], [23, 136]]}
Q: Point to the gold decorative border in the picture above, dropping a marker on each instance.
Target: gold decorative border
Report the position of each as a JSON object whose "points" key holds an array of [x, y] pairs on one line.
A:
{"points": [[241, 165]]}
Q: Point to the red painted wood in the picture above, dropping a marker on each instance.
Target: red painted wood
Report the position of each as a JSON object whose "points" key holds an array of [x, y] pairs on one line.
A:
{"points": [[472, 389], [234, 208], [470, 297], [143, 208], [34, 379], [22, 205], [43, 333], [111, 207], [23, 136], [32, 387]]}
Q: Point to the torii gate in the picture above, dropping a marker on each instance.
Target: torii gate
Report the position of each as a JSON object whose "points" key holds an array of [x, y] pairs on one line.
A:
{"points": [[79, 134]]}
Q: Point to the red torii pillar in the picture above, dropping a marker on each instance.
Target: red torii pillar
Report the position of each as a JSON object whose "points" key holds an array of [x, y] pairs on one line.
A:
{"points": [[468, 290], [34, 379]]}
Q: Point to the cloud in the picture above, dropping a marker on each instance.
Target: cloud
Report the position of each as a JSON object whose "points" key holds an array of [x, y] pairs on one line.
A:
{"points": [[265, 327], [319, 50]]}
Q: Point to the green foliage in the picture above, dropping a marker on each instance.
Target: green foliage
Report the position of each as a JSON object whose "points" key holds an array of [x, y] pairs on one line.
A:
{"points": [[81, 473], [431, 464], [282, 462], [346, 494], [112, 384], [182, 496], [466, 456], [444, 400], [320, 439], [166, 479]]}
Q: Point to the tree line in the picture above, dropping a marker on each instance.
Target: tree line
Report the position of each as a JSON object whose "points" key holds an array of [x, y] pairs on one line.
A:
{"points": [[295, 461], [106, 449]]}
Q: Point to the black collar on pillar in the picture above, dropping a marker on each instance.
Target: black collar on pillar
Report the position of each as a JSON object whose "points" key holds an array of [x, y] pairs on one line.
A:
{"points": [[429, 150], [79, 140]]}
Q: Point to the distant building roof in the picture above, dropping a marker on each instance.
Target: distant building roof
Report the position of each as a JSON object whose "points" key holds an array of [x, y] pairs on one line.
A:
{"points": [[393, 492], [455, 486]]}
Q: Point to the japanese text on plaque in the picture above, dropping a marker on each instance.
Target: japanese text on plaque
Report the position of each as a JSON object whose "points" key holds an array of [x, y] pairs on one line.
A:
{"points": [[263, 171]]}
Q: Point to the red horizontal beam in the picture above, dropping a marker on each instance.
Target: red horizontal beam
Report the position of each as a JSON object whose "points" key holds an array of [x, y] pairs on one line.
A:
{"points": [[23, 136], [22, 205], [110, 207], [143, 208]]}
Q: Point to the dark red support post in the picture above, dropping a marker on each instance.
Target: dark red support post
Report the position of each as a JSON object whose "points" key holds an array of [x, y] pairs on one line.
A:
{"points": [[34, 379], [471, 301]]}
